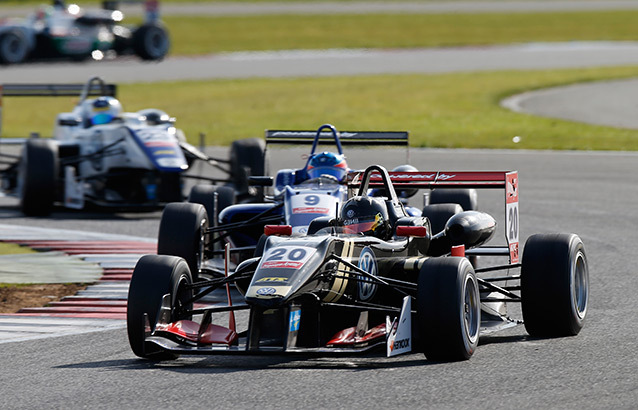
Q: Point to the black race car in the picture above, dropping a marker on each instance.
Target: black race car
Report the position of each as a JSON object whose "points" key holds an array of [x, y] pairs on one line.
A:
{"points": [[371, 278]]}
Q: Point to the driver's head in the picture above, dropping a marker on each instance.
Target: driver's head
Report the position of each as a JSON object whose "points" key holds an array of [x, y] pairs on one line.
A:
{"points": [[366, 215], [327, 163], [103, 110]]}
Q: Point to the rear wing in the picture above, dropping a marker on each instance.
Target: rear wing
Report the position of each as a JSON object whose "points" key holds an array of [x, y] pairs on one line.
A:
{"points": [[151, 7], [506, 180], [363, 138], [53, 90]]}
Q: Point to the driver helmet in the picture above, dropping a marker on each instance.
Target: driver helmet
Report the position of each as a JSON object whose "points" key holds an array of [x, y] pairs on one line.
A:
{"points": [[327, 163], [366, 215], [103, 110], [405, 193]]}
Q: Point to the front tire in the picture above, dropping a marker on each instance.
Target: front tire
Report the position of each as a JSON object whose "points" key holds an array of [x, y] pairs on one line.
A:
{"points": [[182, 233], [448, 309], [554, 285], [247, 159], [38, 177], [154, 276], [205, 195]]}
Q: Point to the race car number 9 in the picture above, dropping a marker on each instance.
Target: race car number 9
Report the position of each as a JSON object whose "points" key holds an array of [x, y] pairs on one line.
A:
{"points": [[290, 257]]}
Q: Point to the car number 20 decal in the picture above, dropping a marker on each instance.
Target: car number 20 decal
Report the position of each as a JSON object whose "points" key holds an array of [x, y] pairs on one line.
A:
{"points": [[511, 214], [291, 257]]}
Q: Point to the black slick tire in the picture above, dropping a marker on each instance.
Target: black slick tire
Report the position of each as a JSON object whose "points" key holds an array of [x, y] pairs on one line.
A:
{"points": [[246, 159], [467, 198], [554, 285], [205, 195], [151, 42], [38, 173], [13, 47], [182, 233], [448, 309], [154, 276]]}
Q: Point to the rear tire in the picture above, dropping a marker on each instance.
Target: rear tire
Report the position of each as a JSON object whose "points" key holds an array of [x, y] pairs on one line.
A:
{"points": [[154, 276], [439, 214], [182, 233], [467, 198], [13, 47], [151, 42], [38, 177], [554, 285], [448, 309]]}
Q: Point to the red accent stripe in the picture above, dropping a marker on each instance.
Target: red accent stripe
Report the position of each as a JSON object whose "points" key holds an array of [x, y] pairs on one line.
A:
{"points": [[74, 309], [89, 303], [118, 316]]}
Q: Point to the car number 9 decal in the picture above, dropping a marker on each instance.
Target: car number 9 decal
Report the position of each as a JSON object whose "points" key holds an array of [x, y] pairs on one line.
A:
{"points": [[291, 257]]}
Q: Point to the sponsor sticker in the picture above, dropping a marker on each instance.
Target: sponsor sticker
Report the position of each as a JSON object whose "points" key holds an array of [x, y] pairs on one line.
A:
{"points": [[295, 319], [266, 291], [368, 263], [310, 210], [273, 279]]}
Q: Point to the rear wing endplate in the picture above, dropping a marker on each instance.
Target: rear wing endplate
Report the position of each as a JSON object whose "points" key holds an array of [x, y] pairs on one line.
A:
{"points": [[506, 180], [53, 90]]}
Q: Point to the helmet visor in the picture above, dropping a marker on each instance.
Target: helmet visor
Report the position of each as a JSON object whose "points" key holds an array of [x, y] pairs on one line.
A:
{"points": [[334, 171], [363, 225], [102, 118]]}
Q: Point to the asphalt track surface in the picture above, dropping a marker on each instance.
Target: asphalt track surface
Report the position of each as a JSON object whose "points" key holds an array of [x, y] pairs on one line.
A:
{"points": [[588, 193], [591, 194]]}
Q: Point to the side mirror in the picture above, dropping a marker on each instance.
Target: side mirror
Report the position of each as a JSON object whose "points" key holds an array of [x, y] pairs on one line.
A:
{"points": [[69, 122], [412, 231]]}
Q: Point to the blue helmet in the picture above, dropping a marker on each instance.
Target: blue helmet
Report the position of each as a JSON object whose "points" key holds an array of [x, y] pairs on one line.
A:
{"points": [[327, 163]]}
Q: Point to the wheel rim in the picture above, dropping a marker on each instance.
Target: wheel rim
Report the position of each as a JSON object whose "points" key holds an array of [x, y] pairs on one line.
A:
{"points": [[182, 296], [201, 244], [471, 309], [580, 285]]}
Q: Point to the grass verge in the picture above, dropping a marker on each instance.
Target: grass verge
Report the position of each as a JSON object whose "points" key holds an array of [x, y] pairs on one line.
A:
{"points": [[207, 34], [442, 110]]}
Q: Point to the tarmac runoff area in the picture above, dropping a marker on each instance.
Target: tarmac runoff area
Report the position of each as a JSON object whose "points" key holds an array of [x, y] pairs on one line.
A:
{"points": [[107, 261]]}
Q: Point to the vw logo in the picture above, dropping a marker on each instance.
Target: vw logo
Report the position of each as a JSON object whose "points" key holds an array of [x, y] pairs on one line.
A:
{"points": [[368, 263], [266, 291]]}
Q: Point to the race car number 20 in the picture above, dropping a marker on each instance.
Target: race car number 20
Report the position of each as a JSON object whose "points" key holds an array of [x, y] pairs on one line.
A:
{"points": [[290, 257]]}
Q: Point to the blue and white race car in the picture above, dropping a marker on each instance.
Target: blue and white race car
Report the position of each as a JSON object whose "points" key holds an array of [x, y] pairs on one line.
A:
{"points": [[214, 215], [100, 155]]}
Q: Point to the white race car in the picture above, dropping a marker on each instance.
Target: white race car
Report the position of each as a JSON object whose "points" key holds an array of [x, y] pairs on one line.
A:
{"points": [[103, 156]]}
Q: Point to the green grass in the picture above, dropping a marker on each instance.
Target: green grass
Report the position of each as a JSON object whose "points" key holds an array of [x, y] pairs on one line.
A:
{"points": [[444, 110], [13, 249], [206, 34], [193, 35]]}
